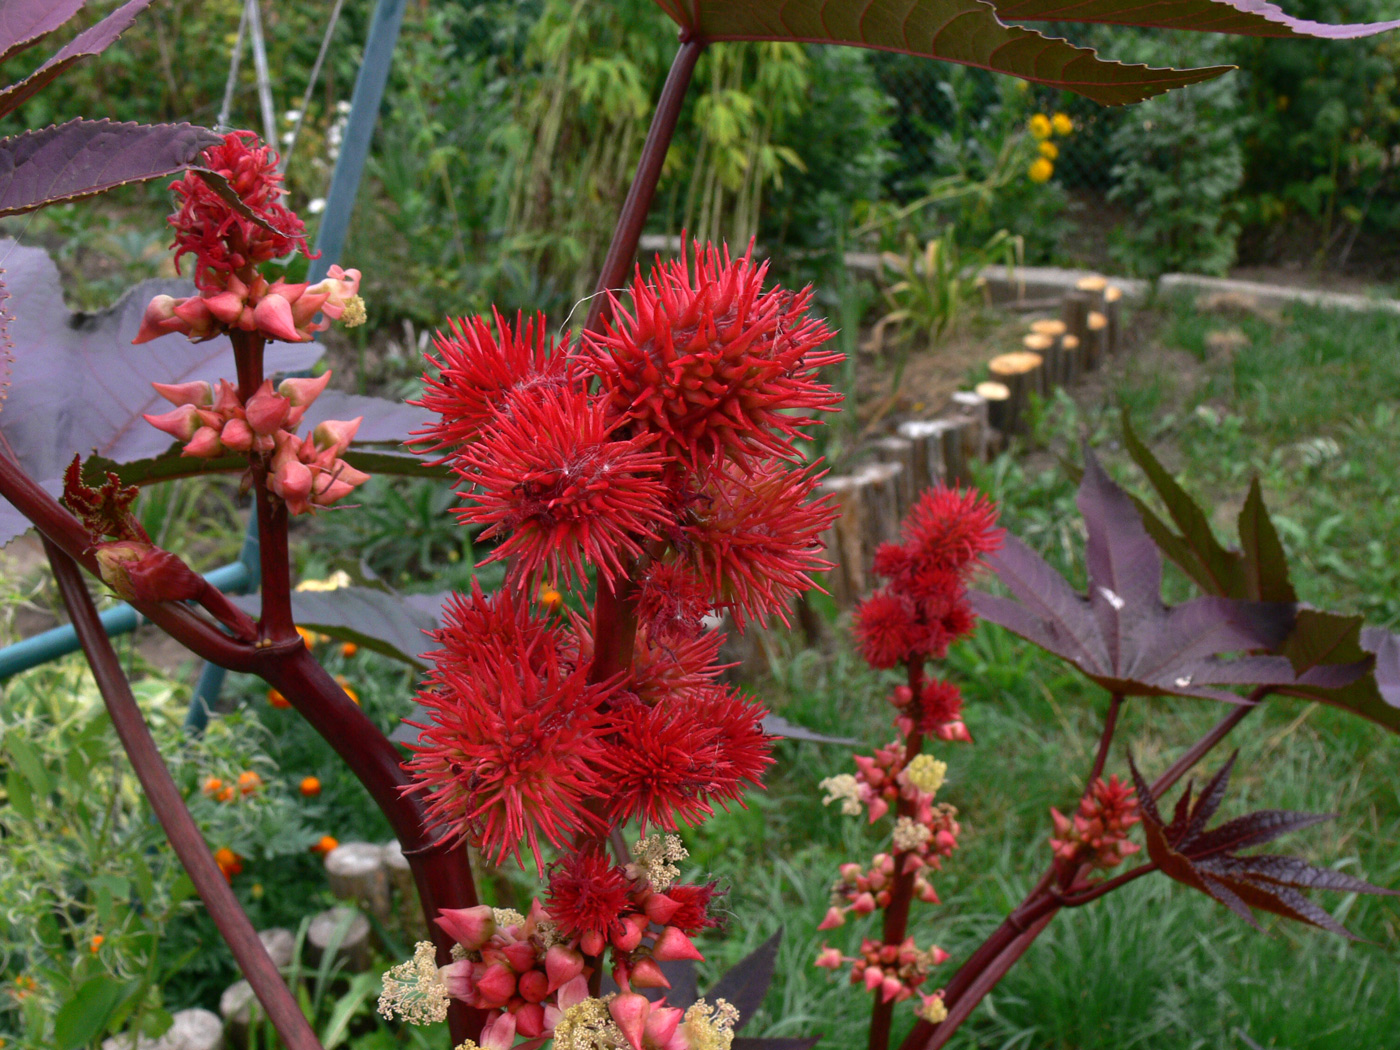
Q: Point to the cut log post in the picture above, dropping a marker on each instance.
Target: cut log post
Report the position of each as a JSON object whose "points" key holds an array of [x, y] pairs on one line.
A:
{"points": [[1020, 372], [1113, 310], [1055, 353], [972, 406], [193, 1029], [403, 889], [957, 461], [880, 485], [237, 1006], [280, 944], [1069, 360], [926, 437], [354, 936], [901, 451], [998, 397], [1075, 311], [842, 541], [356, 874], [1041, 345], [1097, 342]]}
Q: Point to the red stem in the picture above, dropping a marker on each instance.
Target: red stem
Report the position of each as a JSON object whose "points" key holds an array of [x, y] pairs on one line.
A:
{"points": [[174, 817], [622, 252], [902, 893], [1110, 723]]}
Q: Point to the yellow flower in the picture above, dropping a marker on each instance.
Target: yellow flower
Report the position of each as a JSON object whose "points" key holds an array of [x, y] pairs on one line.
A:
{"points": [[1041, 170], [1040, 126], [1062, 124], [1049, 150]]}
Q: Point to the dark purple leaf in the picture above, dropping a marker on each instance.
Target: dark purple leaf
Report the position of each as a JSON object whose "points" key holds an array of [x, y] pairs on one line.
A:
{"points": [[89, 42], [1323, 638], [84, 157], [1265, 565], [777, 725], [1386, 649], [1361, 673], [1238, 17], [378, 620], [963, 31], [1252, 830], [1121, 635], [746, 984], [79, 386], [1206, 861], [23, 23]]}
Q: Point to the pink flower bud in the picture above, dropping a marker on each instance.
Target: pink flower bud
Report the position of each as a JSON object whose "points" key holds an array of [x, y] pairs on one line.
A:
{"points": [[529, 1021], [226, 401], [204, 444], [158, 319], [571, 993], [863, 905], [197, 393], [646, 974], [629, 1012], [301, 391], [890, 988], [562, 964], [592, 942], [334, 435], [457, 976], [142, 572], [180, 423], [873, 978], [469, 927], [660, 908], [672, 944], [901, 696], [237, 435], [195, 320], [265, 411], [292, 481], [498, 1033], [829, 959], [630, 935], [938, 955], [494, 987], [226, 307], [953, 731], [834, 917], [878, 808], [661, 1025], [273, 317], [534, 986], [521, 955]]}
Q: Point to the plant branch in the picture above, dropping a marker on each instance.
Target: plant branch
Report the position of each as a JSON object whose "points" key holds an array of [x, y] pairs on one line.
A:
{"points": [[1094, 892], [622, 252], [1110, 724], [902, 892], [170, 810], [1202, 747]]}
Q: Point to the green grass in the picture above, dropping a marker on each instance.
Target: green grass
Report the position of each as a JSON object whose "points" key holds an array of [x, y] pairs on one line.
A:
{"points": [[1310, 406]]}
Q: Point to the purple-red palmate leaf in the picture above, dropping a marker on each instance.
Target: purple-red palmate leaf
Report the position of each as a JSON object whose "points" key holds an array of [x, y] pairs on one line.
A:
{"points": [[23, 23], [84, 157], [91, 41], [1331, 653], [1236, 17], [746, 983], [1207, 860], [964, 31], [1120, 634]]}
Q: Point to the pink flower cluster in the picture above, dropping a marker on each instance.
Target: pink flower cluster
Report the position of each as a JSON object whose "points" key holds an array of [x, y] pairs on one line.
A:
{"points": [[279, 310], [306, 473], [1097, 834], [891, 971]]}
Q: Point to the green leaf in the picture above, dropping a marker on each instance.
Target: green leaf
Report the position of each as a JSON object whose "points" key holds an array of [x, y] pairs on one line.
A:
{"points": [[20, 797], [363, 986], [967, 32], [84, 1017], [27, 761]]}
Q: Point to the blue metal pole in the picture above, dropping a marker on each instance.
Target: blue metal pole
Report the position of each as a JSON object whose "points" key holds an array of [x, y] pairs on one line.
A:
{"points": [[330, 242]]}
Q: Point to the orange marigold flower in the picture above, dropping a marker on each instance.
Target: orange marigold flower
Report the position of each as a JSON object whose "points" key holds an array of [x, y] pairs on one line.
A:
{"points": [[226, 793], [248, 782], [325, 844], [308, 636], [710, 362], [310, 787], [95, 943], [344, 683], [348, 649], [277, 700], [229, 862], [211, 786]]}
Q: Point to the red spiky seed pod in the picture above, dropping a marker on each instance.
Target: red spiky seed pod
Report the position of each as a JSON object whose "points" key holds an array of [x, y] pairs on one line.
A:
{"points": [[587, 894], [712, 363], [548, 477], [477, 369], [951, 529]]}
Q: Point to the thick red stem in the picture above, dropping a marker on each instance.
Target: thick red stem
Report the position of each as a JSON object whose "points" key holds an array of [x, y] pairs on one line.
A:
{"points": [[174, 817], [622, 252], [902, 893]]}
